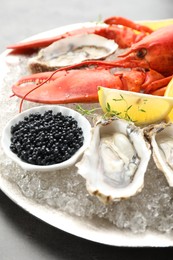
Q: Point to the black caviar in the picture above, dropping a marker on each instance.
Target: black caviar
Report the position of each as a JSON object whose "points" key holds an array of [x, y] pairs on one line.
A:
{"points": [[46, 139]]}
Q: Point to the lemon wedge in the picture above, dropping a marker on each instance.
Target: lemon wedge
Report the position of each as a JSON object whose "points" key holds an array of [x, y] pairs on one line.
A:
{"points": [[154, 25], [142, 109], [169, 89], [169, 93]]}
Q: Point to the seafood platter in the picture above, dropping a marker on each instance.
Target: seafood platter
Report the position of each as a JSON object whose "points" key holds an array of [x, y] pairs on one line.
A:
{"points": [[86, 130]]}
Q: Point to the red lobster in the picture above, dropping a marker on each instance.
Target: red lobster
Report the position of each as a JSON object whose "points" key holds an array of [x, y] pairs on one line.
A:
{"points": [[151, 67]]}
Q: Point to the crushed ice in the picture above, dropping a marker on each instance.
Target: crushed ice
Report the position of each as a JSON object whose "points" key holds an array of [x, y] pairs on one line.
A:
{"points": [[65, 190]]}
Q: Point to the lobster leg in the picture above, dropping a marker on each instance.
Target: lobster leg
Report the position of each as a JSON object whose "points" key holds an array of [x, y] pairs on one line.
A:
{"points": [[158, 87], [139, 80]]}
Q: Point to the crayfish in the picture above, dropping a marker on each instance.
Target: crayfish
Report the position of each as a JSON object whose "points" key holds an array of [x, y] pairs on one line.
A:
{"points": [[149, 59]]}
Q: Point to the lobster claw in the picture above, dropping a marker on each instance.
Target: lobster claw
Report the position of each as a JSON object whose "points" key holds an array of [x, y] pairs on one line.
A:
{"points": [[62, 87], [124, 36]]}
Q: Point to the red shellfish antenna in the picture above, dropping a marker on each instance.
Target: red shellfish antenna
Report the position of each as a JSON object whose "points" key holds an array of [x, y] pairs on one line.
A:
{"points": [[21, 103]]}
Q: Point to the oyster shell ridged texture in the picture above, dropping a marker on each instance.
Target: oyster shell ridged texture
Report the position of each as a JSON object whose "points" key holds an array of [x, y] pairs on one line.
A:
{"points": [[114, 165], [162, 145]]}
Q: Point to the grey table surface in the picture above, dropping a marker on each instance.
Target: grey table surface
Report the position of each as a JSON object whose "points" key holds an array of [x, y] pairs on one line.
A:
{"points": [[23, 236]]}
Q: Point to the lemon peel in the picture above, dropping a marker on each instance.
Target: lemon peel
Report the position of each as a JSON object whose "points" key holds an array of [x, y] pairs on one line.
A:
{"points": [[154, 25], [142, 109], [169, 93]]}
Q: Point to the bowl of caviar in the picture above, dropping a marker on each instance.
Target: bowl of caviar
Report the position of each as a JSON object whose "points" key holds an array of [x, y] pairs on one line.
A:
{"points": [[46, 138]]}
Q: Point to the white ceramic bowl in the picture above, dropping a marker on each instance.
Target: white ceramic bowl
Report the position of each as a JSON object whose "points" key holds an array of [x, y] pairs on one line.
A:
{"points": [[82, 122]]}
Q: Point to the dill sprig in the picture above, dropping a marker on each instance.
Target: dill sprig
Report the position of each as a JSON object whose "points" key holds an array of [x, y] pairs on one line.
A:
{"points": [[124, 114], [86, 112], [112, 112]]}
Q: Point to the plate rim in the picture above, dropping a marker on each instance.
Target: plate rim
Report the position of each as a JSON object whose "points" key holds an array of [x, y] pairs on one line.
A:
{"points": [[83, 228]]}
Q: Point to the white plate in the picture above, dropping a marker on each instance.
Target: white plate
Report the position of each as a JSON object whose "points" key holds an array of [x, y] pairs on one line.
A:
{"points": [[97, 230]]}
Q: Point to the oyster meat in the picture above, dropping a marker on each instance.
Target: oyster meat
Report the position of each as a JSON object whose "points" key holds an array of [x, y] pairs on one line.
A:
{"points": [[162, 144], [72, 50], [115, 163]]}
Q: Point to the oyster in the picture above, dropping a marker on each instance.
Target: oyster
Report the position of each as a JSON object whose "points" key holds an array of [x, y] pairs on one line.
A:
{"points": [[115, 163], [72, 50], [162, 144]]}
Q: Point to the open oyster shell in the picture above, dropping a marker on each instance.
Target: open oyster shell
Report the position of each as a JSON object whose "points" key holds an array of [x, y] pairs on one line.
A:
{"points": [[161, 137], [72, 50], [115, 163]]}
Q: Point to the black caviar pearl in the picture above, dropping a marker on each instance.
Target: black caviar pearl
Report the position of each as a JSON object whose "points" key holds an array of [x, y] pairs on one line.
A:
{"points": [[45, 139]]}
